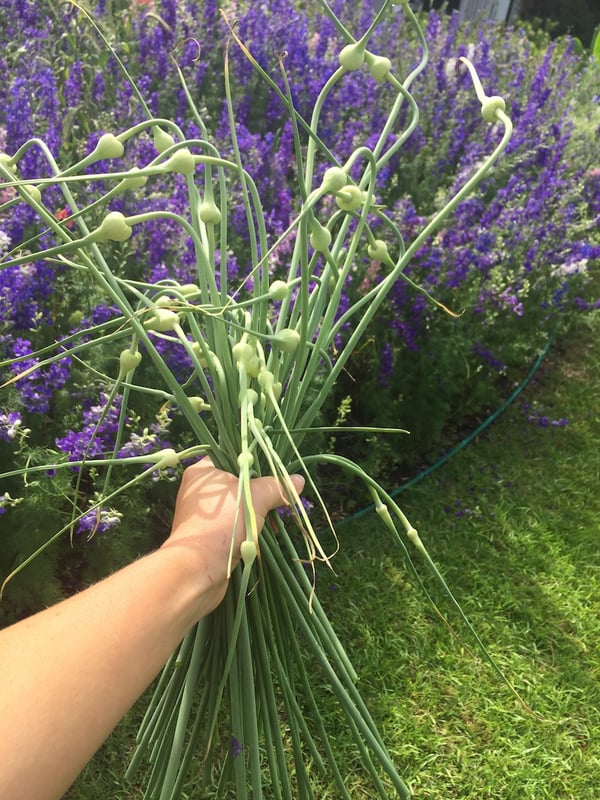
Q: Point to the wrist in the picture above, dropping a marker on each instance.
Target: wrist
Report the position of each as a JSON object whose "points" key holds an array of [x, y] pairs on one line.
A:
{"points": [[197, 587]]}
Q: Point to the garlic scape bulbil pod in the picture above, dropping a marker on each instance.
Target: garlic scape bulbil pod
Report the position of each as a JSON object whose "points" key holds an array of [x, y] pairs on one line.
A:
{"points": [[243, 689]]}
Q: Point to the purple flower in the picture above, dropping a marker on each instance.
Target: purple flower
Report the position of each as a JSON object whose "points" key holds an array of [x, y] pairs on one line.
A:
{"points": [[38, 384], [6, 502], [97, 436], [10, 424], [150, 440], [237, 748], [287, 511], [73, 86], [98, 520], [536, 415]]}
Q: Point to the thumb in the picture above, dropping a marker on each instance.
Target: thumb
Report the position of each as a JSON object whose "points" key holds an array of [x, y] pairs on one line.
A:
{"points": [[268, 493]]}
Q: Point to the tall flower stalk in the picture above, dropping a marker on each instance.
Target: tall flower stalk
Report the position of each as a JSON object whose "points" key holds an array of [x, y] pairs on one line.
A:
{"points": [[264, 354]]}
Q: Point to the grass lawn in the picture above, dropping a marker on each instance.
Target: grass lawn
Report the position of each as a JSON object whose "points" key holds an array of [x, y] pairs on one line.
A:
{"points": [[513, 522]]}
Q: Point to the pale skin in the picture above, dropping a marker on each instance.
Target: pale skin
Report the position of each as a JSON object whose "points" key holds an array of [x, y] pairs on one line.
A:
{"points": [[69, 673]]}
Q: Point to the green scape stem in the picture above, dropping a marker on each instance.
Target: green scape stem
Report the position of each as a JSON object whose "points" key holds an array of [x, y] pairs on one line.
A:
{"points": [[301, 379], [65, 353], [241, 589], [258, 239], [249, 705], [283, 639], [264, 653], [375, 297], [287, 645], [162, 700], [314, 124], [297, 118], [414, 538], [183, 713], [345, 690]]}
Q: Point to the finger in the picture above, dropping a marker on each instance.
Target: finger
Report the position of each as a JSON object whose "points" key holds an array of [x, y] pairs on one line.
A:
{"points": [[298, 481]]}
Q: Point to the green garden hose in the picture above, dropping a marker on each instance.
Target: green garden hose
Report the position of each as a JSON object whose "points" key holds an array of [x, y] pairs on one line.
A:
{"points": [[467, 440]]}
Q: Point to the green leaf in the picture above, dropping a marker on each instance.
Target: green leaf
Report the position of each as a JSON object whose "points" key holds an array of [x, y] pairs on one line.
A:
{"points": [[596, 45]]}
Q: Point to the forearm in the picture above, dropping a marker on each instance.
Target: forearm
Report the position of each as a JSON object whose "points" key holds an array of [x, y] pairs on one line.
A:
{"points": [[70, 673]]}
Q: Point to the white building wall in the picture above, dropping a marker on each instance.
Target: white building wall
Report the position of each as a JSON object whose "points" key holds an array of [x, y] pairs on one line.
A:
{"points": [[492, 9]]}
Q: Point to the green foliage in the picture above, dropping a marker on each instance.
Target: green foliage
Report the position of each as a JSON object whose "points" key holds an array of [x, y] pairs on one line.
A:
{"points": [[596, 45], [577, 17]]}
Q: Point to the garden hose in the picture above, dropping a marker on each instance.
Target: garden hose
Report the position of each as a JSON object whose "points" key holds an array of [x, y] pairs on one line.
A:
{"points": [[467, 440]]}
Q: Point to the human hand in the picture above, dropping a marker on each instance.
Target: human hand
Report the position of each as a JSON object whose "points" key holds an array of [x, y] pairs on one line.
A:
{"points": [[206, 517]]}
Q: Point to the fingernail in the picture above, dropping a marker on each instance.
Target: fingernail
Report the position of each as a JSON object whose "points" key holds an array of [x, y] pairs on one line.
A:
{"points": [[298, 482]]}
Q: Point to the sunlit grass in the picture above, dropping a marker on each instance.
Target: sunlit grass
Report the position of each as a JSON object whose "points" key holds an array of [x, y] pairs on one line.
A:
{"points": [[514, 520]]}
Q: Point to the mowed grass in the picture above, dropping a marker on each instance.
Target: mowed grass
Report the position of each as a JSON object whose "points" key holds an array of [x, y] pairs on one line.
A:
{"points": [[513, 522]]}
